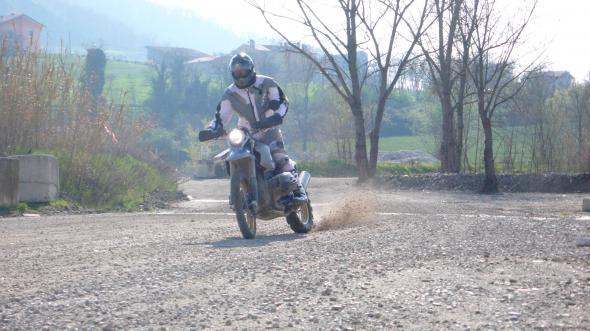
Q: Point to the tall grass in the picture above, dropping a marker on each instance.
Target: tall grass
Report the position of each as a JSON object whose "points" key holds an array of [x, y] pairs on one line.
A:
{"points": [[43, 106]]}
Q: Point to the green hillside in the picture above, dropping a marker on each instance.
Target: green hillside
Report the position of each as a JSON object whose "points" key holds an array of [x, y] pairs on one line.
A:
{"points": [[131, 77]]}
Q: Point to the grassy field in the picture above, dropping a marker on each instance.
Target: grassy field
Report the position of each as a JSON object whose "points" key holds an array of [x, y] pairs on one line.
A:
{"points": [[392, 144], [131, 77], [521, 151]]}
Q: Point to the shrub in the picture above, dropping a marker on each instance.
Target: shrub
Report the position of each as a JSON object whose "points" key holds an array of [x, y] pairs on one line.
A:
{"points": [[21, 208], [60, 204], [109, 181], [103, 160]]}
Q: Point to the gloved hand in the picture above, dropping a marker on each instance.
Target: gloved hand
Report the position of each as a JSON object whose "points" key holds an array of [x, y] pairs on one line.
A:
{"points": [[210, 134], [274, 120]]}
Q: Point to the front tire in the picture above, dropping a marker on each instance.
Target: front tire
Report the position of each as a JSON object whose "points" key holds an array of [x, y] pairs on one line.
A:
{"points": [[301, 220], [246, 218]]}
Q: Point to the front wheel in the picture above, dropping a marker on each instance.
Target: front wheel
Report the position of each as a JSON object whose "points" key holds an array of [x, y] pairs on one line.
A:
{"points": [[246, 218], [301, 220]]}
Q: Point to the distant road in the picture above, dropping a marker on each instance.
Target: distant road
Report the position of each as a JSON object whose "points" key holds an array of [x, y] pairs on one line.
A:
{"points": [[400, 260]]}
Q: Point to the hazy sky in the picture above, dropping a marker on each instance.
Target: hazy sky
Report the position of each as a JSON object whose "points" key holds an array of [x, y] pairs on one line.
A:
{"points": [[560, 27]]}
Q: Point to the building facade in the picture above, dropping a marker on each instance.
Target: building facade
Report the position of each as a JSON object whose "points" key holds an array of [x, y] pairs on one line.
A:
{"points": [[20, 33]]}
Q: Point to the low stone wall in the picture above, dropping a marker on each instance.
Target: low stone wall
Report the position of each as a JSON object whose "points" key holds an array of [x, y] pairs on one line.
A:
{"points": [[545, 183], [9, 182], [38, 177]]}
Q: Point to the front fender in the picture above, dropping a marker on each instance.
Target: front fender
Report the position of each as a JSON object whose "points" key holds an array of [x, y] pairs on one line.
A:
{"points": [[239, 154]]}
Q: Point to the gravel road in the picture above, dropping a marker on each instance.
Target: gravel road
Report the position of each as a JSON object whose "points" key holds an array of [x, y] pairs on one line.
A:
{"points": [[402, 260]]}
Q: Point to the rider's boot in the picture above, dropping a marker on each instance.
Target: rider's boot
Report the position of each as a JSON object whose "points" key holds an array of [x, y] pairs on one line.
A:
{"points": [[296, 197], [299, 194]]}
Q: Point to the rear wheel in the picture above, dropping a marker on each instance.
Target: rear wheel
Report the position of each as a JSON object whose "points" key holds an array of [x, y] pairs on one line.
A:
{"points": [[246, 218], [301, 220]]}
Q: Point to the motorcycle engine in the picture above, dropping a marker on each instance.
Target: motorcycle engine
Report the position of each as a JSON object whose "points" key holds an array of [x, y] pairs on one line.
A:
{"points": [[285, 182]]}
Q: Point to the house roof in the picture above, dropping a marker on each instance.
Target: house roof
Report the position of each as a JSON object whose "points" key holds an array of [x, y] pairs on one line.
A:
{"points": [[189, 52], [8, 18], [203, 59], [557, 74]]}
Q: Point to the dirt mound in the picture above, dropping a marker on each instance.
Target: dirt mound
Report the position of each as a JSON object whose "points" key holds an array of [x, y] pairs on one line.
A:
{"points": [[544, 183], [162, 199], [357, 209], [408, 157]]}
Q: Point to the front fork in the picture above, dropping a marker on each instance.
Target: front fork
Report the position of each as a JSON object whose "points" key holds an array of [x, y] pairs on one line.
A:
{"points": [[244, 171]]}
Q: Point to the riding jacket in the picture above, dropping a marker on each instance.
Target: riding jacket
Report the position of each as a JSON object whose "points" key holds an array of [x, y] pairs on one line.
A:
{"points": [[260, 100]]}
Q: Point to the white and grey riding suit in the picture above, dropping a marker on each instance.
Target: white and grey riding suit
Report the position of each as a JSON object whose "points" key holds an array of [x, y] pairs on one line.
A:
{"points": [[261, 101]]}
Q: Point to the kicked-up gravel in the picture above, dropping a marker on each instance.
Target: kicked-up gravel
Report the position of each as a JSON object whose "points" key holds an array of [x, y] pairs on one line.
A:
{"points": [[378, 260]]}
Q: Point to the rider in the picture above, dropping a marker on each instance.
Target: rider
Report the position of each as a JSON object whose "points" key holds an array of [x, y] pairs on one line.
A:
{"points": [[261, 107]]}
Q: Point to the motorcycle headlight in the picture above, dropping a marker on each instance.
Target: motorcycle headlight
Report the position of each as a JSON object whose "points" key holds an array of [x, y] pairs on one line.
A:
{"points": [[236, 137]]}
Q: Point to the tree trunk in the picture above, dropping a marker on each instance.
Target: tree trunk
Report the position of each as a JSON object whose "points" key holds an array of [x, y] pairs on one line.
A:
{"points": [[306, 118], [374, 138], [360, 147], [490, 183], [459, 141], [448, 144]]}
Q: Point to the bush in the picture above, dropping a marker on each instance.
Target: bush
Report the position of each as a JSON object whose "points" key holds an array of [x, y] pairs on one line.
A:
{"points": [[109, 181], [103, 160], [60, 204], [21, 208]]}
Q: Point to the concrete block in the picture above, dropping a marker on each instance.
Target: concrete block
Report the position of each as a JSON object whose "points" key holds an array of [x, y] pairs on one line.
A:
{"points": [[586, 205], [9, 182], [39, 178]]}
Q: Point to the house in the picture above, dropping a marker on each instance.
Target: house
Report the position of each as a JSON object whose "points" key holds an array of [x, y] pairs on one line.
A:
{"points": [[269, 59], [559, 80], [166, 55], [19, 32]]}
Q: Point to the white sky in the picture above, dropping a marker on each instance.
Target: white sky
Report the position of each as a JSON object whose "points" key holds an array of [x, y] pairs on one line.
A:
{"points": [[560, 27]]}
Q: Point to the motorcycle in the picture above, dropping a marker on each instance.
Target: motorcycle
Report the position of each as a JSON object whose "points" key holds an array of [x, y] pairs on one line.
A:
{"points": [[254, 194]]}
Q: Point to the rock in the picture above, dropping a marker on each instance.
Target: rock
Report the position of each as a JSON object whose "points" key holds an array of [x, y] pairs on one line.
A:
{"points": [[583, 242], [586, 205]]}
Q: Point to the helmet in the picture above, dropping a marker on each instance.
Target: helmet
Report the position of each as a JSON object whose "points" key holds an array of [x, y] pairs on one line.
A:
{"points": [[242, 70]]}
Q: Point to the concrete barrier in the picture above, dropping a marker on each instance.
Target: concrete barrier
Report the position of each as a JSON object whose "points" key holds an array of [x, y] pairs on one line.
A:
{"points": [[38, 177], [9, 182]]}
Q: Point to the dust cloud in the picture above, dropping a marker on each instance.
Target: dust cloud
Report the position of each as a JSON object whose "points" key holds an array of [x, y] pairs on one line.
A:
{"points": [[356, 209]]}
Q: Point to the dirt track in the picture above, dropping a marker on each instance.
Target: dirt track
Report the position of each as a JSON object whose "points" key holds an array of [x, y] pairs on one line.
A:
{"points": [[425, 260]]}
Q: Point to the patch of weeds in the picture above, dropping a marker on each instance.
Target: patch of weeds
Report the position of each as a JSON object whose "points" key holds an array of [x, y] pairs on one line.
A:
{"points": [[60, 204], [22, 207]]}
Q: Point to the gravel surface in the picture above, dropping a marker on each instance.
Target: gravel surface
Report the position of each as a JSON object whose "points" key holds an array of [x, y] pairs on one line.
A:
{"points": [[413, 260]]}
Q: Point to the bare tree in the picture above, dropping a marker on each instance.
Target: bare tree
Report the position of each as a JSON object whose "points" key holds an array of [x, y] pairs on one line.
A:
{"points": [[580, 104], [388, 68], [438, 48], [494, 72], [341, 62]]}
